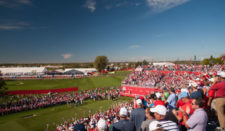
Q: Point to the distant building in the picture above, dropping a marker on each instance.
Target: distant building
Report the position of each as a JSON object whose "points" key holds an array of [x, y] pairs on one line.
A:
{"points": [[19, 71], [163, 63], [85, 71]]}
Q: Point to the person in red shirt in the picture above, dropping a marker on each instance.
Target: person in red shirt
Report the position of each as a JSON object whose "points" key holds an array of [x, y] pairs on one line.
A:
{"points": [[159, 100], [219, 87], [179, 103], [187, 107]]}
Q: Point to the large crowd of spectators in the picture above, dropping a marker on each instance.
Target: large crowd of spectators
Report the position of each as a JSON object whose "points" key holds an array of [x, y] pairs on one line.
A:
{"points": [[187, 101], [29, 102]]}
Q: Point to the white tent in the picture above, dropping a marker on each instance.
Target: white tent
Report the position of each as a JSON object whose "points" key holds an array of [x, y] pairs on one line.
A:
{"points": [[23, 70], [139, 68], [84, 70], [163, 64]]}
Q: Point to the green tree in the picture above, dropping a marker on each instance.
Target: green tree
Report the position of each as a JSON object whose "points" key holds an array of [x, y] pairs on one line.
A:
{"points": [[100, 63], [138, 64], [2, 87], [145, 62], [206, 61]]}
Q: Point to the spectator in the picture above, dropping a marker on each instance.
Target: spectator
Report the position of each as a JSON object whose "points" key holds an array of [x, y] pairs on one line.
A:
{"points": [[138, 115], [219, 87], [172, 99], [195, 92], [123, 124], [198, 120], [102, 125], [150, 117], [160, 113], [155, 126], [187, 107], [79, 126]]}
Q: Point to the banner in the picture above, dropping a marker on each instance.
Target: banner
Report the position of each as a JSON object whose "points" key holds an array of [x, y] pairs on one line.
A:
{"points": [[133, 91]]}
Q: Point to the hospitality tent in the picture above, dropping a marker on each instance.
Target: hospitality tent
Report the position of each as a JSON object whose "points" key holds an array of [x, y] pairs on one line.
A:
{"points": [[84, 70], [16, 71]]}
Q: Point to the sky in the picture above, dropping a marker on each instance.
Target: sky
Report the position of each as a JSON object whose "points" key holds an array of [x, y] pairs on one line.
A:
{"points": [[39, 31]]}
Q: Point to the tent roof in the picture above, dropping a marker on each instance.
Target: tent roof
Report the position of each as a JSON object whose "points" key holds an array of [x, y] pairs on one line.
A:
{"points": [[23, 70]]}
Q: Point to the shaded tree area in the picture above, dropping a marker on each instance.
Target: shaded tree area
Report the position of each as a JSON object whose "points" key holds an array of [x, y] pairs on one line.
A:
{"points": [[139, 63], [100, 63], [214, 60], [3, 88]]}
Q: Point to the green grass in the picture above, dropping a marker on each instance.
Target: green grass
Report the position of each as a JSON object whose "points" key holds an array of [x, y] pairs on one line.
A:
{"points": [[82, 83], [55, 114], [16, 122]]}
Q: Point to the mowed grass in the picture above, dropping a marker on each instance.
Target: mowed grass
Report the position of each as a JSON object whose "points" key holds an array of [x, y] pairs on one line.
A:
{"points": [[56, 114], [82, 83]]}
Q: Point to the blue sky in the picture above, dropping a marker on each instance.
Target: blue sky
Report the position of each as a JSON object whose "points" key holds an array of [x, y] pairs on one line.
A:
{"points": [[123, 30]]}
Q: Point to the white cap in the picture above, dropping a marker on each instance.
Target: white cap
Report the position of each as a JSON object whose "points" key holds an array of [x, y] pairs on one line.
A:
{"points": [[158, 95], [139, 102], [102, 125], [194, 84], [71, 128], [222, 74], [218, 73], [210, 73], [123, 111], [212, 80], [197, 79], [184, 90], [160, 109], [153, 125]]}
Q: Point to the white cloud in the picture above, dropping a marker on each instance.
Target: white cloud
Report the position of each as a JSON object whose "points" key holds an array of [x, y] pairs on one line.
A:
{"points": [[7, 25], [15, 3], [10, 27], [66, 56], [134, 46], [26, 2], [91, 4], [158, 6]]}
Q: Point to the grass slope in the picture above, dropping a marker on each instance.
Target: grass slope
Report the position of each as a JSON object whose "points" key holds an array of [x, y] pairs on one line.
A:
{"points": [[52, 115], [82, 83]]}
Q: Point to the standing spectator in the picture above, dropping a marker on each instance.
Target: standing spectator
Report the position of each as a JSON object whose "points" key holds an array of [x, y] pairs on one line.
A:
{"points": [[138, 115], [124, 90], [155, 126], [150, 117], [102, 125], [172, 99], [187, 107], [79, 126], [219, 87], [198, 120], [160, 113], [123, 124], [195, 92]]}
